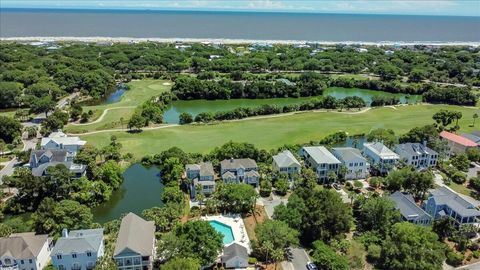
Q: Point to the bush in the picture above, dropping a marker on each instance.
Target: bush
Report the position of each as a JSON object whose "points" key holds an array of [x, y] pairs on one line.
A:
{"points": [[454, 258], [476, 254], [252, 260], [265, 188], [374, 253]]}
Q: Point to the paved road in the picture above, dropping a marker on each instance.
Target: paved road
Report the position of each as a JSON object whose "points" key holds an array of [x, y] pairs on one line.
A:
{"points": [[10, 166], [299, 260]]}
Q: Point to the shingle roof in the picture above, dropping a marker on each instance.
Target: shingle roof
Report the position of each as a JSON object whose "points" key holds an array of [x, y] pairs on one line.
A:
{"points": [[79, 241], [60, 138], [381, 150], [407, 206], [348, 153], [320, 155], [445, 196], [285, 159], [22, 245], [457, 138], [472, 137], [53, 155], [416, 149], [205, 168], [135, 234], [233, 164], [233, 251]]}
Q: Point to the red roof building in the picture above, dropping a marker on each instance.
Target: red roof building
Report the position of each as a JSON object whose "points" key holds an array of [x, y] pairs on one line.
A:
{"points": [[457, 143]]}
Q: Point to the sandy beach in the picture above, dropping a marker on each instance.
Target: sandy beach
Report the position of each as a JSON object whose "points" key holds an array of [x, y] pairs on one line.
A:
{"points": [[227, 41]]}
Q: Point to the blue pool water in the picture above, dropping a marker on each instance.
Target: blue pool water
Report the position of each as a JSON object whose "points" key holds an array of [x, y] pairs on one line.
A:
{"points": [[225, 230]]}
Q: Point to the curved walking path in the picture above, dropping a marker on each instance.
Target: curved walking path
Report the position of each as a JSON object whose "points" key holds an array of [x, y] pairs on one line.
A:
{"points": [[99, 119]]}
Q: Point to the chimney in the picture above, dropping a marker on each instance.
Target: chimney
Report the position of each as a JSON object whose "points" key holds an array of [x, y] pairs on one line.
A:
{"points": [[425, 143], [65, 233]]}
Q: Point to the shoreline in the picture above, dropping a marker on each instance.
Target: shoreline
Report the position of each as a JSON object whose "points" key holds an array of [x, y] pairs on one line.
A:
{"points": [[231, 41]]}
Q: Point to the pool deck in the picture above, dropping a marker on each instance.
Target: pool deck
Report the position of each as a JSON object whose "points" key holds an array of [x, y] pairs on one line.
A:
{"points": [[238, 229]]}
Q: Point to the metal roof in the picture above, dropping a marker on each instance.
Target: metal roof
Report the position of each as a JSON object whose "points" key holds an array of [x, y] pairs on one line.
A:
{"points": [[321, 155]]}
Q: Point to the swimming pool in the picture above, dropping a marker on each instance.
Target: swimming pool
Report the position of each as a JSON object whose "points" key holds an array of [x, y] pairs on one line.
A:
{"points": [[225, 230]]}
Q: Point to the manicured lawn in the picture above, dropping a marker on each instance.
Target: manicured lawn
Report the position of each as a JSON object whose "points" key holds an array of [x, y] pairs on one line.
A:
{"points": [[273, 132], [140, 91], [460, 189]]}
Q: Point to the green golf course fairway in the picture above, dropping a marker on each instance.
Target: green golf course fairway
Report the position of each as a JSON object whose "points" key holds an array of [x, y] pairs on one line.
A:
{"points": [[272, 132]]}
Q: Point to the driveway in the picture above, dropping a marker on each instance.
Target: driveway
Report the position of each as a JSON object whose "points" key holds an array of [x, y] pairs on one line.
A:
{"points": [[299, 260], [270, 203], [473, 172]]}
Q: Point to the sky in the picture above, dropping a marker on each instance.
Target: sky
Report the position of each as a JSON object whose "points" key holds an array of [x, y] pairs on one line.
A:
{"points": [[405, 7]]}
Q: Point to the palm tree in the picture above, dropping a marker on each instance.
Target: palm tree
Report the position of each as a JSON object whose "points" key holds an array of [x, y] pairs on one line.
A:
{"points": [[475, 116]]}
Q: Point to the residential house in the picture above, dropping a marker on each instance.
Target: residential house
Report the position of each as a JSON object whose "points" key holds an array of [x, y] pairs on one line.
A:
{"points": [[242, 170], [285, 162], [417, 155], [135, 245], [60, 141], [201, 175], [320, 160], [78, 250], [380, 157], [356, 165], [24, 251], [41, 160], [445, 202], [457, 144], [409, 210], [235, 256]]}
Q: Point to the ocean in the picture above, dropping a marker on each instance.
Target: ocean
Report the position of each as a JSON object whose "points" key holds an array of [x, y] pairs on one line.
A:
{"points": [[238, 25]]}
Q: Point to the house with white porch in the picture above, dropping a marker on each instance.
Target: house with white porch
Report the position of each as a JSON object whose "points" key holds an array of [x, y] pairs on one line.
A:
{"points": [[321, 161], [24, 251], [243, 170], [285, 162], [380, 157], [60, 141], [201, 175], [417, 155], [356, 165]]}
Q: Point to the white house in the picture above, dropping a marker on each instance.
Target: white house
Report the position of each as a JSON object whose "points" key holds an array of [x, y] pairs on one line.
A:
{"points": [[24, 251], [78, 250], [135, 246], [59, 141], [285, 162], [380, 156], [417, 155], [352, 159], [320, 160]]}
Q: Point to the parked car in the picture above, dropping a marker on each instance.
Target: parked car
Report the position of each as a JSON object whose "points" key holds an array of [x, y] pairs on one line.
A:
{"points": [[311, 266]]}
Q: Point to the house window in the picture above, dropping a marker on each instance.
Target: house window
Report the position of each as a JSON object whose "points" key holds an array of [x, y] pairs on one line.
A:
{"points": [[59, 256], [351, 164], [74, 255], [89, 254], [30, 261], [8, 261], [22, 261], [137, 260]]}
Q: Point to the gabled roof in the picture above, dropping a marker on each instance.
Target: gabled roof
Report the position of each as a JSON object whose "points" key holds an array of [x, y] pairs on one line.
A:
{"points": [[445, 196], [79, 241], [61, 138], [348, 153], [407, 206], [415, 149], [205, 168], [136, 235], [53, 155], [234, 164], [320, 155], [22, 245], [234, 250], [285, 159], [381, 150], [228, 175], [457, 139]]}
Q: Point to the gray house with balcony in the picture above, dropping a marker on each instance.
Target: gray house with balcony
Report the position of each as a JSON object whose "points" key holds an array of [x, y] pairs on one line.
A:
{"points": [[445, 202], [357, 166], [417, 155], [41, 160], [201, 175], [243, 170], [285, 162], [409, 210], [78, 250], [320, 160], [135, 245]]}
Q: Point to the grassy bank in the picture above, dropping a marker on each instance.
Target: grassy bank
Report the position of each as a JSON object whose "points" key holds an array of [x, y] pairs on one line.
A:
{"points": [[140, 91], [273, 132]]}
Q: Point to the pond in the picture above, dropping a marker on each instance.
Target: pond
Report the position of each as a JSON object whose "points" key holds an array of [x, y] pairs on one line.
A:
{"points": [[194, 107], [141, 189]]}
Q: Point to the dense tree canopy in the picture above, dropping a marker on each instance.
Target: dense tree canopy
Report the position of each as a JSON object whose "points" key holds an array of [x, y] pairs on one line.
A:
{"points": [[9, 129]]}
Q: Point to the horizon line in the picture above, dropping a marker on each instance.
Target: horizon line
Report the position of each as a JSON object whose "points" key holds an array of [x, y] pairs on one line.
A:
{"points": [[213, 10]]}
